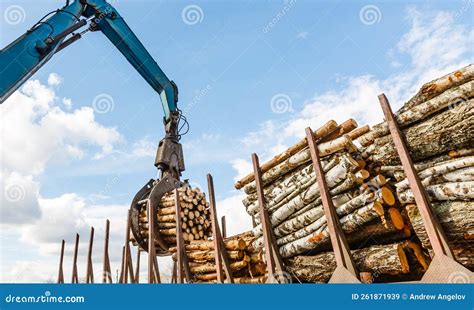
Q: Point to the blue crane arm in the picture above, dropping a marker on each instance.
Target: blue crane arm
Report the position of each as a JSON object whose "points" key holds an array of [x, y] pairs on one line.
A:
{"points": [[23, 57]]}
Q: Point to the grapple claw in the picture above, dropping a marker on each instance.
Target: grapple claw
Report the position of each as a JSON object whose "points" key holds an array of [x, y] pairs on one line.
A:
{"points": [[151, 193]]}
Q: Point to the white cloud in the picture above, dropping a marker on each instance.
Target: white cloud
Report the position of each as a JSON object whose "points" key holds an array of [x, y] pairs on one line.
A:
{"points": [[237, 220], [34, 130], [67, 102], [242, 166], [18, 198], [54, 79], [435, 45]]}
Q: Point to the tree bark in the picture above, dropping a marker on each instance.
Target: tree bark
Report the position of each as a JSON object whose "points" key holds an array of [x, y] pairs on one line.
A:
{"points": [[442, 192], [421, 111], [299, 159], [381, 260], [451, 129], [321, 132], [434, 88], [349, 223], [444, 168], [456, 218]]}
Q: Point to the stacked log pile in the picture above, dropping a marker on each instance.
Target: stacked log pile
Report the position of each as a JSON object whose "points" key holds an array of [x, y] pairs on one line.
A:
{"points": [[194, 212], [369, 189], [246, 262]]}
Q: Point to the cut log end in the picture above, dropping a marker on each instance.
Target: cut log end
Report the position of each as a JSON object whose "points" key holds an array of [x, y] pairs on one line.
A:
{"points": [[388, 196], [396, 218]]}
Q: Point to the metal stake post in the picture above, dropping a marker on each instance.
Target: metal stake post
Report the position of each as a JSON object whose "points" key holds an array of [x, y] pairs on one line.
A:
{"points": [[182, 258], [75, 278], [122, 266], [127, 250], [345, 271], [443, 265], [137, 270], [61, 272], [153, 272], [107, 273], [220, 254], [223, 227], [90, 270], [272, 254]]}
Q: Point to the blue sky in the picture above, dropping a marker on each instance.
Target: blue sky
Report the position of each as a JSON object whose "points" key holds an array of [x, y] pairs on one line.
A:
{"points": [[326, 59]]}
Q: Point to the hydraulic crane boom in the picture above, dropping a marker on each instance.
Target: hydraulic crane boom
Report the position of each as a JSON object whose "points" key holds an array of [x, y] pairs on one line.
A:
{"points": [[27, 54], [57, 30]]}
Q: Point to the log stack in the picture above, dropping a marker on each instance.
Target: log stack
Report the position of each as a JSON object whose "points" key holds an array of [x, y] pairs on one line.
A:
{"points": [[194, 212], [246, 262], [369, 190]]}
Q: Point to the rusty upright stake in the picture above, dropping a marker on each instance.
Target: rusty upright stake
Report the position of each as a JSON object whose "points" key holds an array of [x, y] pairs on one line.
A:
{"points": [[107, 273], [220, 254], [75, 278], [273, 259], [346, 270], [122, 265], [173, 276], [137, 270], [128, 269], [153, 273], [61, 258], [90, 270], [182, 258], [224, 227], [443, 265]]}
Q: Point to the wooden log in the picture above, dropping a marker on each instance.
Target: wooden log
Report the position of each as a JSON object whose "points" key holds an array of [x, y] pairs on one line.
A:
{"points": [[204, 256], [322, 131], [318, 223], [458, 224], [434, 88], [300, 226], [300, 158], [422, 111], [442, 192], [385, 261], [349, 223], [451, 129], [289, 186], [443, 169], [294, 202], [342, 129], [201, 268]]}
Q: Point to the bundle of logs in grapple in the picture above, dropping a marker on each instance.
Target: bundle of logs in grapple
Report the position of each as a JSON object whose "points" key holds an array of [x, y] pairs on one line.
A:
{"points": [[194, 212], [370, 192], [246, 263]]}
